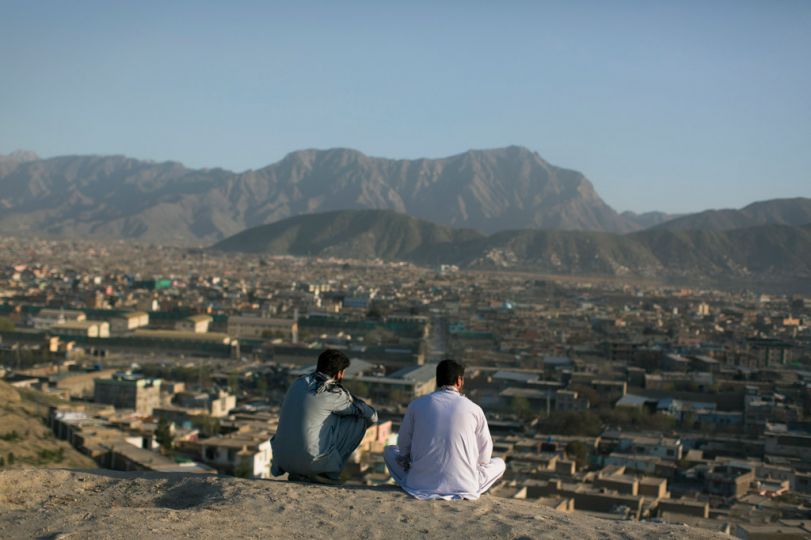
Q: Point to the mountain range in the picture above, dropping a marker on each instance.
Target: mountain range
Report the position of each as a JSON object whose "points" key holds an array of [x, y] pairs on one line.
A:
{"points": [[776, 253], [119, 197], [486, 190], [505, 208]]}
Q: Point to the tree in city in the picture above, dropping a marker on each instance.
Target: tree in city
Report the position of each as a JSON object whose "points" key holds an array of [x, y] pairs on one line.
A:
{"points": [[243, 468], [521, 407], [6, 324], [360, 388], [578, 451], [164, 436], [262, 386], [233, 382], [208, 425]]}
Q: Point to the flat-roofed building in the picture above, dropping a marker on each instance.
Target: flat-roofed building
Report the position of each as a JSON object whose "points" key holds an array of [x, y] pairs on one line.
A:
{"points": [[214, 404], [91, 329], [690, 507], [197, 324], [239, 454], [125, 391], [242, 326], [127, 322], [179, 335], [46, 318], [729, 481], [620, 483], [401, 387], [653, 487]]}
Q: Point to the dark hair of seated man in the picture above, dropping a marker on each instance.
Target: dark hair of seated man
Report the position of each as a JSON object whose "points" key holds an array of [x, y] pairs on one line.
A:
{"points": [[448, 372], [331, 362]]}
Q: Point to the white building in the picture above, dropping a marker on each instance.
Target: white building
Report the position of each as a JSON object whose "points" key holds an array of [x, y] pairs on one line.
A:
{"points": [[127, 322], [196, 323], [92, 329], [238, 455]]}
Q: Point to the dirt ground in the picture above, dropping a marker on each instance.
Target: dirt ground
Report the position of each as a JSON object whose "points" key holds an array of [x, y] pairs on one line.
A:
{"points": [[39, 503]]}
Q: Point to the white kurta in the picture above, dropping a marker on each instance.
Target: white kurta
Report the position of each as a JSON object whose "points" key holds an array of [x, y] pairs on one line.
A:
{"points": [[446, 442]]}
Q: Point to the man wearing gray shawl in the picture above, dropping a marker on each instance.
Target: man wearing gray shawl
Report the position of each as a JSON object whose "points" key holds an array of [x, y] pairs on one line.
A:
{"points": [[320, 424]]}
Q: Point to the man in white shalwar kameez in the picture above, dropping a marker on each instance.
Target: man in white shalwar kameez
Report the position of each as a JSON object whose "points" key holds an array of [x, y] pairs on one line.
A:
{"points": [[444, 449]]}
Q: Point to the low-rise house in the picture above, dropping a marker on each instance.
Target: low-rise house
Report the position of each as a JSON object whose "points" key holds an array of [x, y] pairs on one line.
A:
{"points": [[216, 404], [47, 318], [197, 324], [239, 454], [729, 480], [125, 391], [127, 322], [90, 329], [241, 326]]}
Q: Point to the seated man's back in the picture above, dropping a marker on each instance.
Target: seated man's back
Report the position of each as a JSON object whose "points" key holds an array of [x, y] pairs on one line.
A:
{"points": [[444, 448], [320, 425]]}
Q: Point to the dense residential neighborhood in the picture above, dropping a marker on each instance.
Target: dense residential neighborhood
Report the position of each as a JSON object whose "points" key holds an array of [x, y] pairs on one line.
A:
{"points": [[628, 400]]}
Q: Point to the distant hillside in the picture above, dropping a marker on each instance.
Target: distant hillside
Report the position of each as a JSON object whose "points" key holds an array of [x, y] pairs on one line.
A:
{"points": [[119, 197], [24, 435], [772, 252], [358, 234], [795, 212]]}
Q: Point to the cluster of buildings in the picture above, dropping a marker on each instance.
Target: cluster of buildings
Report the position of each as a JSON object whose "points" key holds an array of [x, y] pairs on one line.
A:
{"points": [[628, 401]]}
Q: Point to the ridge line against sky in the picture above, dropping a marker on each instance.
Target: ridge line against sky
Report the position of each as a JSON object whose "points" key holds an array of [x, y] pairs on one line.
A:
{"points": [[663, 106]]}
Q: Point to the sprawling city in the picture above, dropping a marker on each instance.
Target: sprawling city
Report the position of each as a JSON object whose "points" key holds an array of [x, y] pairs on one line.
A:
{"points": [[620, 399], [526, 270]]}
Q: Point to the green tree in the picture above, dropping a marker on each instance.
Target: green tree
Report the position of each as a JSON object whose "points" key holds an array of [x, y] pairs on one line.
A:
{"points": [[521, 407], [6, 325], [208, 425], [262, 386], [578, 451], [164, 435], [243, 468], [233, 382], [360, 388], [10, 458]]}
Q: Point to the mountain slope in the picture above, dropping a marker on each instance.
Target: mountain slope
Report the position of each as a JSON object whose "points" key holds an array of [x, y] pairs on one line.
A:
{"points": [[796, 211], [118, 197], [357, 234], [771, 252]]}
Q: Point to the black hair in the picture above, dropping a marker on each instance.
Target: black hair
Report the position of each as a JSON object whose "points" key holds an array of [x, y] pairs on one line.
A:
{"points": [[331, 361], [448, 371]]}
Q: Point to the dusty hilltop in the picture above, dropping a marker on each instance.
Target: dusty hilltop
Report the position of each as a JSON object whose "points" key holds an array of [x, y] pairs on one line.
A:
{"points": [[38, 503]]}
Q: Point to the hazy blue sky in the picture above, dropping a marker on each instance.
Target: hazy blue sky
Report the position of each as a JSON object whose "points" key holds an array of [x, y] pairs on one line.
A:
{"points": [[672, 105]]}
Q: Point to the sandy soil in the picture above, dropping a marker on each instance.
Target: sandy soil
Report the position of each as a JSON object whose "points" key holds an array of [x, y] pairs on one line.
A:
{"points": [[39, 503]]}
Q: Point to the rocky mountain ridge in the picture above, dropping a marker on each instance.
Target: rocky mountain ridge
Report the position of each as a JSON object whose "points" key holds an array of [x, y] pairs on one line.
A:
{"points": [[119, 197]]}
